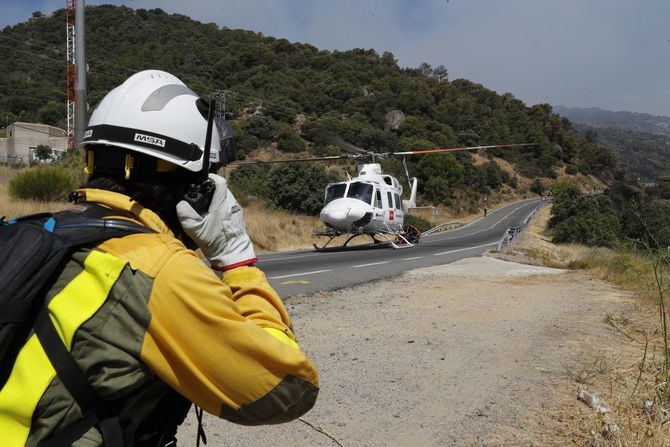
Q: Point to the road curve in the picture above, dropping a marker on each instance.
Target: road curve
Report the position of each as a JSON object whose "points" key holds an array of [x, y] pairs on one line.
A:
{"points": [[306, 272]]}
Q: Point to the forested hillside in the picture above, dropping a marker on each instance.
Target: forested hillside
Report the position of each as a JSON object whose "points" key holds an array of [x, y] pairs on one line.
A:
{"points": [[641, 141], [282, 94], [644, 155]]}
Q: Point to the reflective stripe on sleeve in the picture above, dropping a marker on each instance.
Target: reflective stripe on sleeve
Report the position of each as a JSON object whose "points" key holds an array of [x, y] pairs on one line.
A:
{"points": [[279, 335], [32, 373]]}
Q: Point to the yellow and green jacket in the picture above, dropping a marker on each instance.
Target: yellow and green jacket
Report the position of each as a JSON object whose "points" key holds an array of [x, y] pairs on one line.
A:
{"points": [[141, 313]]}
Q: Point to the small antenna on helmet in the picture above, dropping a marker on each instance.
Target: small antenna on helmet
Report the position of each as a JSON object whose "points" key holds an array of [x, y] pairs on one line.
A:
{"points": [[208, 140], [199, 193]]}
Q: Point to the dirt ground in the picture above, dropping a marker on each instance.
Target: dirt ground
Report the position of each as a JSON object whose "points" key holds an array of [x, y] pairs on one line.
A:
{"points": [[479, 352]]}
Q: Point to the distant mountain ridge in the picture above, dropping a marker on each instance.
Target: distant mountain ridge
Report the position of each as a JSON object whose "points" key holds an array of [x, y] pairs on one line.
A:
{"points": [[596, 117]]}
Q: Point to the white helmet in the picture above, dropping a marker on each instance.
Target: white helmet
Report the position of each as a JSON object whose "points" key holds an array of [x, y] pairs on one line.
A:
{"points": [[154, 113]]}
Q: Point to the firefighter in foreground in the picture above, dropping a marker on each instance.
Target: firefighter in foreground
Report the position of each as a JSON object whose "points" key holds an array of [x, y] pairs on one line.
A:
{"points": [[144, 315]]}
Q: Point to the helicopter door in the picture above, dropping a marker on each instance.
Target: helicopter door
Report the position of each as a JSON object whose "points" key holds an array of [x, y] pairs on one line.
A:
{"points": [[398, 207], [379, 206], [391, 211]]}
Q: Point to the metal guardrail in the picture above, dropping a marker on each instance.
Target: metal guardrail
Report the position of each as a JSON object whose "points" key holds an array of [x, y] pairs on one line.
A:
{"points": [[512, 233], [442, 227]]}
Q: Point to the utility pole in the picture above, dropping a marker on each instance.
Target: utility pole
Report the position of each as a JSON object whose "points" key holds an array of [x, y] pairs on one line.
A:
{"points": [[80, 83], [70, 71]]}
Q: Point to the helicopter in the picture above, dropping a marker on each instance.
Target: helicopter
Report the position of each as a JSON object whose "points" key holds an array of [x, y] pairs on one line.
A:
{"points": [[368, 204], [371, 203]]}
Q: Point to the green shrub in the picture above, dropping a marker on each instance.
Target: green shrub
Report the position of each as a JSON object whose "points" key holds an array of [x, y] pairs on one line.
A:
{"points": [[655, 221], [565, 194], [419, 222], [261, 127], [244, 143], [249, 180], [513, 181], [589, 220], [537, 187], [493, 174], [299, 187], [571, 170], [45, 182], [288, 140]]}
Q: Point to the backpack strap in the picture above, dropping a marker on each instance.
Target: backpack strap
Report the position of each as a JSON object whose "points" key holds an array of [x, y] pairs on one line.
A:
{"points": [[90, 404], [79, 230]]}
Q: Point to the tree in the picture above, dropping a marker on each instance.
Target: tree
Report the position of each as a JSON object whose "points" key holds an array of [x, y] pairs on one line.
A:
{"points": [[249, 180], [261, 127], [656, 224], [43, 152], [299, 187], [591, 221], [494, 175], [425, 69], [50, 113], [439, 175], [288, 140], [537, 187], [440, 73]]}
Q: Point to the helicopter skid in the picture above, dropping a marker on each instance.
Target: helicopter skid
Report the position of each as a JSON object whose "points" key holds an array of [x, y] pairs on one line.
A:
{"points": [[399, 242], [345, 246], [393, 239]]}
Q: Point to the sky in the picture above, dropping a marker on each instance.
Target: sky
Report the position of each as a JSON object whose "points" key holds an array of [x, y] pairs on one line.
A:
{"points": [[613, 54]]}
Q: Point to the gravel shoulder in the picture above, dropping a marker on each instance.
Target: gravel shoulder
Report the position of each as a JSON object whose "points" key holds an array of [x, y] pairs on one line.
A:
{"points": [[478, 352]]}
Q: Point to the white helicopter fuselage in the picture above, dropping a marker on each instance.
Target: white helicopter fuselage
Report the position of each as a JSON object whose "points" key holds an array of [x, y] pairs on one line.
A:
{"points": [[370, 203]]}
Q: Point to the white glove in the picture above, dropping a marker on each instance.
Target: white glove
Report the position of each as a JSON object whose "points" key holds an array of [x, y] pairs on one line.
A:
{"points": [[220, 233]]}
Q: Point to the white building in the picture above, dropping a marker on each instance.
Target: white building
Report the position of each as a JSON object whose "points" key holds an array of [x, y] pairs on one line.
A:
{"points": [[23, 138]]}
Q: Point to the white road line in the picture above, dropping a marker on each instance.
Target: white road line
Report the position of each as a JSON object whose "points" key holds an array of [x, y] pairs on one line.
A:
{"points": [[299, 274], [464, 249], [411, 259], [485, 229], [525, 202], [305, 255], [367, 265]]}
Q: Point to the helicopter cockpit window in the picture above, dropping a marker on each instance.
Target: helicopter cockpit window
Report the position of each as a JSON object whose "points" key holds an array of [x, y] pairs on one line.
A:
{"points": [[360, 191], [335, 191], [397, 201]]}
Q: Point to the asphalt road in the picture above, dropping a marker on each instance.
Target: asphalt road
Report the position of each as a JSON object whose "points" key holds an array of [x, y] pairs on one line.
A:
{"points": [[307, 272]]}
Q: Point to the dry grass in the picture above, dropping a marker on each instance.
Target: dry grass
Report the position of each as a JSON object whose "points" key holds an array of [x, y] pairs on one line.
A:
{"points": [[276, 230], [535, 247], [16, 208], [630, 372]]}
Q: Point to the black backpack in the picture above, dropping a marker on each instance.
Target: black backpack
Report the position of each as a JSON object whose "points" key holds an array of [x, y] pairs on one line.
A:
{"points": [[33, 253]]}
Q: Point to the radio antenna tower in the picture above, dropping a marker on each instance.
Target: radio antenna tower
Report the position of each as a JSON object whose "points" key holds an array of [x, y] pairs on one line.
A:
{"points": [[75, 82]]}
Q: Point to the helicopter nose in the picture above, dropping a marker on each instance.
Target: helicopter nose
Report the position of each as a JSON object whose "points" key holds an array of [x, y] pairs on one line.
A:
{"points": [[338, 214]]}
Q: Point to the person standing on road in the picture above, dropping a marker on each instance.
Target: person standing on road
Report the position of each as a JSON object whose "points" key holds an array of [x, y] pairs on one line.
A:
{"points": [[150, 326]]}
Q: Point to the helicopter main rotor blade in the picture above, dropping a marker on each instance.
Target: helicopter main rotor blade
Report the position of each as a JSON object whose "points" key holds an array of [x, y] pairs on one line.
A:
{"points": [[378, 155], [291, 160], [459, 149]]}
